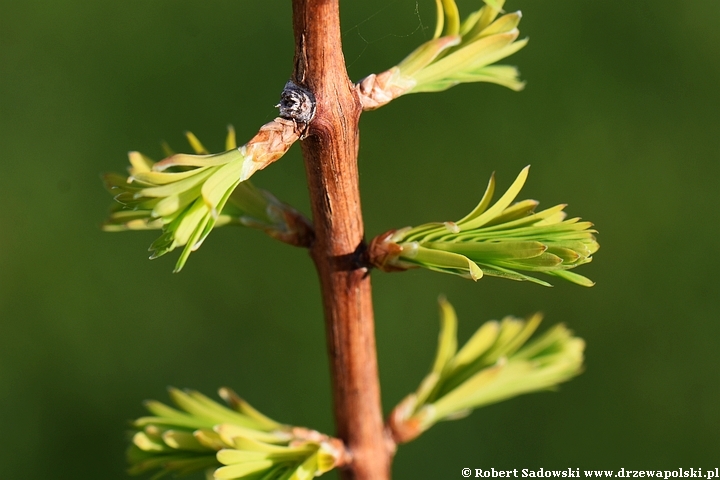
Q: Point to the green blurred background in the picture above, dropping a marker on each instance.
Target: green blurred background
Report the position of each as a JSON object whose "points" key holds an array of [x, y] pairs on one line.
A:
{"points": [[620, 119]]}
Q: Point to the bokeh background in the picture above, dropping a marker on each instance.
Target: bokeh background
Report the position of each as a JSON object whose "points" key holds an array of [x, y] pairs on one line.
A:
{"points": [[620, 119]]}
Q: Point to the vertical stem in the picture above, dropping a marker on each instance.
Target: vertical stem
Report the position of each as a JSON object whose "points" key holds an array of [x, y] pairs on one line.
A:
{"points": [[330, 153]]}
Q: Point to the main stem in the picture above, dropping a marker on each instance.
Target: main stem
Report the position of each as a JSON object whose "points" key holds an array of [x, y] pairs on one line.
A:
{"points": [[330, 152]]}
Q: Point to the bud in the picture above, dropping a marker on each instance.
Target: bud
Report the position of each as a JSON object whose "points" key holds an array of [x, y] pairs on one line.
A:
{"points": [[499, 240], [495, 364], [460, 52], [188, 195], [227, 443]]}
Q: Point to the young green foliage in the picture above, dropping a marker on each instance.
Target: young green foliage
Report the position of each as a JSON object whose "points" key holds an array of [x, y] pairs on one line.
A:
{"points": [[460, 52], [188, 195], [500, 240], [495, 364], [237, 443]]}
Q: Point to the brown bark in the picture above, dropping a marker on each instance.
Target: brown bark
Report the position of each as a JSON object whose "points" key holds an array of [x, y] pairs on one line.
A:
{"points": [[330, 153]]}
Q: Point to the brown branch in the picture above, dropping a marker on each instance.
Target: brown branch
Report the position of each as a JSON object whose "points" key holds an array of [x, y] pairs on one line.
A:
{"points": [[330, 153]]}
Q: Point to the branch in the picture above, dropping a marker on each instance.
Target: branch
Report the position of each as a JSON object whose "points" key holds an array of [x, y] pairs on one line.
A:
{"points": [[330, 153]]}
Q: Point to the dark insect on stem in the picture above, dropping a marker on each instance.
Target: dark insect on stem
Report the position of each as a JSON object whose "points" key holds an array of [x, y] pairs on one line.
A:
{"points": [[297, 104]]}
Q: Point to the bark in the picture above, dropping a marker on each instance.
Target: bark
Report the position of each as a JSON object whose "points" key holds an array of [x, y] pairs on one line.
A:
{"points": [[330, 152]]}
